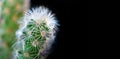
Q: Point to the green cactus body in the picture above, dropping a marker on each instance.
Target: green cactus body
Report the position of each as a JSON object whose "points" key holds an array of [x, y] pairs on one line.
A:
{"points": [[34, 37], [11, 10], [35, 34]]}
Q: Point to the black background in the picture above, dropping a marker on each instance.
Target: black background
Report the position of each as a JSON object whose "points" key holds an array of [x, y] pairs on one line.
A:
{"points": [[67, 15]]}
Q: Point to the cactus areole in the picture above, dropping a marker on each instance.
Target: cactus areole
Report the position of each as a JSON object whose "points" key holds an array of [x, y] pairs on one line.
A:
{"points": [[35, 35]]}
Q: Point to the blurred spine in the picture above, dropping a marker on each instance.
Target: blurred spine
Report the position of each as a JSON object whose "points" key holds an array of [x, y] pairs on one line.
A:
{"points": [[0, 9], [10, 12]]}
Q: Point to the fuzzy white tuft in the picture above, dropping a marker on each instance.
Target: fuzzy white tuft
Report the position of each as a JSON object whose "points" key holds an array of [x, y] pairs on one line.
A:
{"points": [[38, 15]]}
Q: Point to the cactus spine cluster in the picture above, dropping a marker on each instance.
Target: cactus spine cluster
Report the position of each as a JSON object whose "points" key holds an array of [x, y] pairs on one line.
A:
{"points": [[35, 35]]}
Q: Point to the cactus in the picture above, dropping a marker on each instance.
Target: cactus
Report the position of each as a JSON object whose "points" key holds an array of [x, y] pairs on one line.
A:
{"points": [[35, 35], [10, 12]]}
